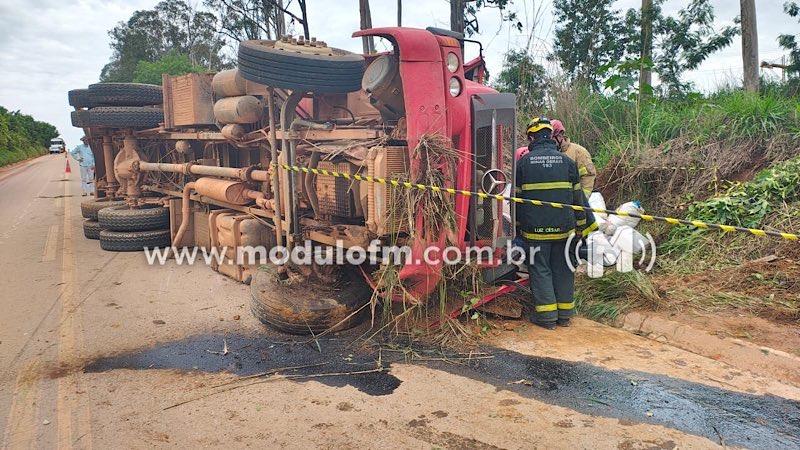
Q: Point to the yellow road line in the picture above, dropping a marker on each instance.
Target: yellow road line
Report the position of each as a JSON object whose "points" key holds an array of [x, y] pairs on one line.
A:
{"points": [[51, 244], [73, 424]]}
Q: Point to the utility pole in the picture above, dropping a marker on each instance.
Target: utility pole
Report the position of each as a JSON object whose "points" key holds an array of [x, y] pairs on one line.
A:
{"points": [[749, 45], [366, 22], [645, 70]]}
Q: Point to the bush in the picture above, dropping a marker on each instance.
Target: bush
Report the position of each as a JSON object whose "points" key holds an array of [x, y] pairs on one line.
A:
{"points": [[22, 137], [747, 204], [172, 63], [608, 125]]}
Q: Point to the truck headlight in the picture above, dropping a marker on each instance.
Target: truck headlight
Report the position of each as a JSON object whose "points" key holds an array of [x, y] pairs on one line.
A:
{"points": [[455, 86], [452, 62]]}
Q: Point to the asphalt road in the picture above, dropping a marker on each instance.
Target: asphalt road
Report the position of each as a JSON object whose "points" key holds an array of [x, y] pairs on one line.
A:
{"points": [[99, 349]]}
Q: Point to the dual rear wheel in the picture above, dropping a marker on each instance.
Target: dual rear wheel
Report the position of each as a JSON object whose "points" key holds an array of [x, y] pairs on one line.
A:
{"points": [[120, 228]]}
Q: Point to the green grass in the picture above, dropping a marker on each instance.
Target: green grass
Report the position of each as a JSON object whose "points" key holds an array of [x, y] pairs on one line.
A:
{"points": [[607, 126]]}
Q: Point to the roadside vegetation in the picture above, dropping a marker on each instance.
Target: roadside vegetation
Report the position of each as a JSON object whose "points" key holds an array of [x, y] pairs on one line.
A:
{"points": [[22, 137], [727, 156]]}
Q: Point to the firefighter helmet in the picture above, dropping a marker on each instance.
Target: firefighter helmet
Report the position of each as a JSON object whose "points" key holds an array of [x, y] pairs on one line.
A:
{"points": [[539, 124]]}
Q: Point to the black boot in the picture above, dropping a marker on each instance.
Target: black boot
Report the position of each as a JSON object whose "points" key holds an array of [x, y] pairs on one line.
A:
{"points": [[545, 325], [564, 322]]}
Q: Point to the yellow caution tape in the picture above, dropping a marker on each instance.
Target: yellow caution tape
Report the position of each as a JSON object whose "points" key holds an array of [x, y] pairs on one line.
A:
{"points": [[501, 197]]}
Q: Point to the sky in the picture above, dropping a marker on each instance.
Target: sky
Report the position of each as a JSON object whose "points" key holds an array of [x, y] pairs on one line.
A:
{"points": [[48, 47]]}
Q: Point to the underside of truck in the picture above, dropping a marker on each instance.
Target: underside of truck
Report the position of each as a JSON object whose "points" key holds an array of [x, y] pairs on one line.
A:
{"points": [[307, 143]]}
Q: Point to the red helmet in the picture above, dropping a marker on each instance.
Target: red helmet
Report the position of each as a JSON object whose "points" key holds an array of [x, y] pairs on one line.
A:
{"points": [[520, 152], [558, 127]]}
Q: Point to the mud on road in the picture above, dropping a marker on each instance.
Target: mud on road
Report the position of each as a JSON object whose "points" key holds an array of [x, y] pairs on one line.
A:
{"points": [[724, 416]]}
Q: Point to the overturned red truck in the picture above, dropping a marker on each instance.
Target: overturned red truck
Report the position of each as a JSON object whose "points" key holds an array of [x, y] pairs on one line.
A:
{"points": [[265, 154]]}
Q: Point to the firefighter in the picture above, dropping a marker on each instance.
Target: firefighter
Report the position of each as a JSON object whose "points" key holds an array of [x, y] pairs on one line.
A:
{"points": [[547, 174], [577, 153]]}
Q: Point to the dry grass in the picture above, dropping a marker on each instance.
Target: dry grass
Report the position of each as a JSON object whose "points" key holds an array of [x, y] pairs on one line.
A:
{"points": [[400, 311]]}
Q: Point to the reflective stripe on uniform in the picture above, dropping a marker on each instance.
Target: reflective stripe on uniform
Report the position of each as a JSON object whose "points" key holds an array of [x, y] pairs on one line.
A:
{"points": [[569, 305], [589, 229], [576, 187], [583, 171], [587, 192], [546, 186], [547, 236], [546, 308]]}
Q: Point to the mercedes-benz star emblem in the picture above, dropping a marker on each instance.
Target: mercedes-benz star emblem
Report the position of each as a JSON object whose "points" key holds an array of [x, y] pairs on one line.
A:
{"points": [[494, 182]]}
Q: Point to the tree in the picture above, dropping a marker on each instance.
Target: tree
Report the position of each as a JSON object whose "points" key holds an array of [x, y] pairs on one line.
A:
{"points": [[399, 13], [592, 39], [172, 63], [150, 34], [685, 41], [790, 42], [522, 75], [464, 18], [366, 22], [589, 36], [645, 63], [749, 45], [241, 20], [21, 136]]}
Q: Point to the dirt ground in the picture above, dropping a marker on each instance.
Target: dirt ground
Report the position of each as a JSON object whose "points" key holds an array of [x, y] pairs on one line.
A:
{"points": [[758, 302], [99, 349]]}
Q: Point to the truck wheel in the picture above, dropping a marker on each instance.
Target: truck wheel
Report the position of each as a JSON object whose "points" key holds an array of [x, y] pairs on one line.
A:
{"points": [[133, 241], [123, 218], [300, 67], [91, 229], [125, 94], [121, 117], [76, 118], [302, 305], [79, 98], [89, 208]]}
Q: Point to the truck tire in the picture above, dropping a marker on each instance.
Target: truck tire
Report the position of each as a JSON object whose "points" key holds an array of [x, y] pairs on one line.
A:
{"points": [[76, 118], [300, 67], [133, 241], [123, 218], [302, 305], [79, 98], [121, 117], [91, 229], [89, 208], [125, 94]]}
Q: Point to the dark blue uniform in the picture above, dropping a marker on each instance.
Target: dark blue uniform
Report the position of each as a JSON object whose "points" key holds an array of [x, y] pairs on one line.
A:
{"points": [[547, 174]]}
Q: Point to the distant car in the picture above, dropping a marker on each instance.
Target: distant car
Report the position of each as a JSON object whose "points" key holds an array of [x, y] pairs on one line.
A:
{"points": [[59, 144]]}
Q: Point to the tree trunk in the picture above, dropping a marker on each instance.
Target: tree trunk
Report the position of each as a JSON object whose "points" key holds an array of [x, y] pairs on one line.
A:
{"points": [[457, 8], [304, 15], [366, 22], [645, 70], [399, 13], [279, 20], [750, 45]]}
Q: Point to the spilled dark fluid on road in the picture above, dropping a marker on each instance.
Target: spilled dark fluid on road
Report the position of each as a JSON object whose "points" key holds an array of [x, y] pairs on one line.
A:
{"points": [[726, 417]]}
